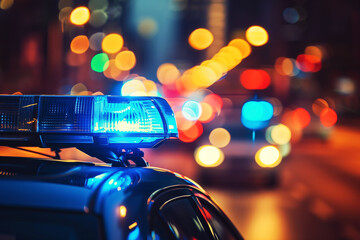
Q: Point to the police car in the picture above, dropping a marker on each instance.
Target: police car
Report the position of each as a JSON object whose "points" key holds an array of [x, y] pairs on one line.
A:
{"points": [[123, 198]]}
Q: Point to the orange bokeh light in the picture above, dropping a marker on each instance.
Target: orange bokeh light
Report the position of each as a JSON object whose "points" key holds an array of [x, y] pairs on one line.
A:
{"points": [[328, 117], [319, 105], [253, 79], [200, 38], [242, 45], [80, 16], [112, 43], [167, 73], [301, 118], [79, 44], [207, 113], [125, 60]]}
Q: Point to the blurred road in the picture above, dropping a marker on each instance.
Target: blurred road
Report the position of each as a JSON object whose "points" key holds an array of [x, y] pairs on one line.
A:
{"points": [[318, 197]]}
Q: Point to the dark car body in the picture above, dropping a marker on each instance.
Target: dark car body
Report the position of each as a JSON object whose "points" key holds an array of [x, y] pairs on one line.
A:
{"points": [[47, 199]]}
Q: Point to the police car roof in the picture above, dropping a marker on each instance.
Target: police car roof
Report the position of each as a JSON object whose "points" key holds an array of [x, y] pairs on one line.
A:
{"points": [[79, 186]]}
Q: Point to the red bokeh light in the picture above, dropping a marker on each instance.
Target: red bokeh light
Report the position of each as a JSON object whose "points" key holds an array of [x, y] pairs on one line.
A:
{"points": [[301, 117], [308, 63], [192, 133], [328, 117], [254, 79], [215, 101]]}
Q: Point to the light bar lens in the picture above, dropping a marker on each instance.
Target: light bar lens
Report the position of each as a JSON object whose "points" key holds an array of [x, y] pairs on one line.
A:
{"points": [[114, 116], [132, 122]]}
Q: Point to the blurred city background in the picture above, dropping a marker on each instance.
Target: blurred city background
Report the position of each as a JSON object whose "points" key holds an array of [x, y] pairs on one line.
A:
{"points": [[265, 94]]}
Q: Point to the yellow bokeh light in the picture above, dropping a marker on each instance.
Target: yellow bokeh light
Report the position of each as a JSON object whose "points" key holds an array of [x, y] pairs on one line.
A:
{"points": [[256, 36], [79, 44], [219, 137], [112, 43], [167, 73], [202, 76], [80, 16], [200, 39], [122, 211], [268, 157], [232, 54], [125, 60], [280, 134], [209, 156], [218, 68], [151, 88], [133, 86], [242, 45]]}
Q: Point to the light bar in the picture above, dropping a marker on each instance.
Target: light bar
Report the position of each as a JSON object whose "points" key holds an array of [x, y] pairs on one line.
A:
{"points": [[80, 121]]}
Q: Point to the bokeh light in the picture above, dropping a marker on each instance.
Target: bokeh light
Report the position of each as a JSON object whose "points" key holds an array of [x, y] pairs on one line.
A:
{"points": [[308, 63], [79, 44], [98, 18], [215, 101], [113, 72], [191, 110], [219, 137], [78, 89], [125, 60], [345, 86], [200, 38], [167, 73], [112, 43], [209, 156], [216, 67], [286, 66], [301, 118], [256, 114], [95, 41], [207, 113], [192, 133], [100, 62], [291, 15], [254, 79], [328, 117], [314, 51], [285, 149], [268, 157], [280, 134], [6, 4], [147, 27], [256, 36], [133, 87], [319, 105], [201, 77], [242, 45], [64, 14], [80, 16], [181, 122]]}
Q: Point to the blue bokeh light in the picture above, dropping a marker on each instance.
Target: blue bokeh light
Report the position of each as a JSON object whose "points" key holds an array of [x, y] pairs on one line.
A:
{"points": [[256, 114], [191, 110]]}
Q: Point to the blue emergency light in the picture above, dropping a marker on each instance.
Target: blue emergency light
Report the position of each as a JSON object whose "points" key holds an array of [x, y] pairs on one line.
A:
{"points": [[85, 121]]}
